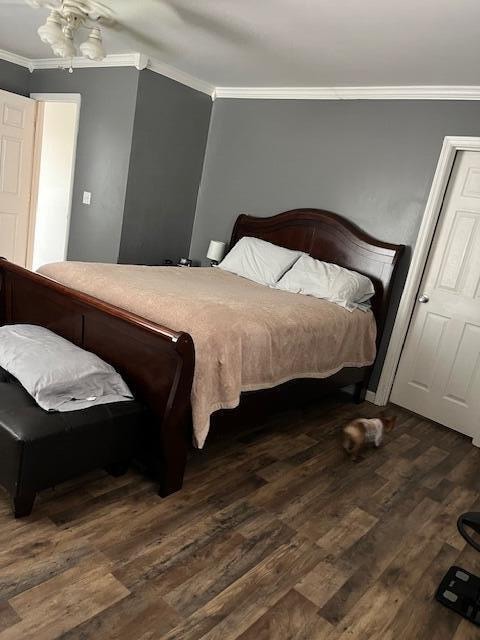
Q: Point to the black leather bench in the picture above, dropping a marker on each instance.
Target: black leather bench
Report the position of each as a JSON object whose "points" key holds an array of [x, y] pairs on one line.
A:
{"points": [[40, 449]]}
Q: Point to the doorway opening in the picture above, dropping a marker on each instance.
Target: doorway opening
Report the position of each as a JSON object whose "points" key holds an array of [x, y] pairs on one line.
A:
{"points": [[54, 168]]}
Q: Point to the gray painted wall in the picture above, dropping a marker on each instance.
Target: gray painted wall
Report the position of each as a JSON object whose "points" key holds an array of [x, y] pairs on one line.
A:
{"points": [[371, 161], [168, 149], [103, 154], [140, 129], [14, 78]]}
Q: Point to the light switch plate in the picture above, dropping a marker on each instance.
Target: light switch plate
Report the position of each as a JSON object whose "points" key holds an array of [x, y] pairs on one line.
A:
{"points": [[87, 197]]}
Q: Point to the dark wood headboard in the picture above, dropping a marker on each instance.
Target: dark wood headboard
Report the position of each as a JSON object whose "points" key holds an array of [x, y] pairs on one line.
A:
{"points": [[329, 237]]}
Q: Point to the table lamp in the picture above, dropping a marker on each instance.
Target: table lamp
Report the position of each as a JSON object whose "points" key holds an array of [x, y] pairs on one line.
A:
{"points": [[215, 253]]}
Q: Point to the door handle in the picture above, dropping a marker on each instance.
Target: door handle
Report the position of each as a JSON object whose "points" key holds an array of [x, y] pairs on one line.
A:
{"points": [[423, 298]]}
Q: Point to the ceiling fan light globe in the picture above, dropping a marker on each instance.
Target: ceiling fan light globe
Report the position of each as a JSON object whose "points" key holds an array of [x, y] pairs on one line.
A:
{"points": [[51, 31], [66, 18], [92, 51], [93, 47], [64, 49]]}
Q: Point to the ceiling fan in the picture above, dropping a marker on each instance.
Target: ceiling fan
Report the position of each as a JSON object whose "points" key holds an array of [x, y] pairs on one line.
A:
{"points": [[65, 20], [68, 18]]}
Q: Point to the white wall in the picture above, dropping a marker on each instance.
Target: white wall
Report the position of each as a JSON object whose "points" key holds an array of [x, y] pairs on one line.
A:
{"points": [[55, 183]]}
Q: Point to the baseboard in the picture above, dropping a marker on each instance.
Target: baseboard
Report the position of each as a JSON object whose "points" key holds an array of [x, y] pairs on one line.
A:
{"points": [[370, 396]]}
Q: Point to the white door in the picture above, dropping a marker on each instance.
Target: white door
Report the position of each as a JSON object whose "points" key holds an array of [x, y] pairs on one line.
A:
{"points": [[439, 371], [17, 128]]}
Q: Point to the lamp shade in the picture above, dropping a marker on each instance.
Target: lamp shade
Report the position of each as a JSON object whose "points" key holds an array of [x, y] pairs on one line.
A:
{"points": [[93, 48], [51, 32], [64, 48], [216, 249]]}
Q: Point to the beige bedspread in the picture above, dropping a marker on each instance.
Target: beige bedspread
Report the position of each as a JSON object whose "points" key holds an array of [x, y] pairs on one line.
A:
{"points": [[246, 336]]}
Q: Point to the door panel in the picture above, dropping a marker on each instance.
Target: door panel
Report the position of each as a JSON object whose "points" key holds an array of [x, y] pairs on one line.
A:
{"points": [[429, 342], [11, 166], [439, 370], [17, 125], [13, 116], [8, 227], [464, 369], [471, 188], [456, 257]]}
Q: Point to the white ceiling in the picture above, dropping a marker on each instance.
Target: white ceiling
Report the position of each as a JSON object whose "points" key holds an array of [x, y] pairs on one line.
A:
{"points": [[286, 42]]}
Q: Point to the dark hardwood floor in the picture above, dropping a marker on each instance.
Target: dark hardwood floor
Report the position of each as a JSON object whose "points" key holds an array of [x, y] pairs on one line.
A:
{"points": [[276, 536]]}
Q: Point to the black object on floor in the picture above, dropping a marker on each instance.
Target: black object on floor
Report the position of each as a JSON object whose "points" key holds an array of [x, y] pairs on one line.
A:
{"points": [[460, 591], [472, 520]]}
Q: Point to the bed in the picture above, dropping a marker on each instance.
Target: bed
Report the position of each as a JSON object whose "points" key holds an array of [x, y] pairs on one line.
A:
{"points": [[129, 326]]}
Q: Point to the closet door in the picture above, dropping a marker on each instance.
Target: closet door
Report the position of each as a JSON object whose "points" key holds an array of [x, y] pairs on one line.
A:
{"points": [[17, 129]]}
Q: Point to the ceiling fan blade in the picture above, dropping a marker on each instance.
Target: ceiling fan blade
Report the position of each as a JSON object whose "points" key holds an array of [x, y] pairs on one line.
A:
{"points": [[216, 26], [33, 4], [43, 4], [152, 44], [150, 34], [128, 11], [17, 3]]}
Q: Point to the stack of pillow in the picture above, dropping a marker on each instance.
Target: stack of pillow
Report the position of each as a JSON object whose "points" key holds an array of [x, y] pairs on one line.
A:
{"points": [[297, 272]]}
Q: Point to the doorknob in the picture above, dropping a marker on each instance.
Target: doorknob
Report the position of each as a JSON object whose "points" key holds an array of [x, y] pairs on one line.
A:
{"points": [[423, 298]]}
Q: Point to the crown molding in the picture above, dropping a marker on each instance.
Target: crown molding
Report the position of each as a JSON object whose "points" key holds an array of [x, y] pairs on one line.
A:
{"points": [[113, 60], [180, 76], [140, 61], [352, 93], [137, 60], [14, 58]]}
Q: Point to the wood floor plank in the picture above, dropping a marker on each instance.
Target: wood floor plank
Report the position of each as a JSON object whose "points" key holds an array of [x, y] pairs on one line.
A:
{"points": [[142, 614], [277, 535], [248, 598], [32, 565], [412, 614], [327, 513], [376, 609], [190, 545], [323, 581], [466, 631], [8, 616], [292, 618], [350, 529], [51, 608], [242, 556], [275, 470], [372, 554]]}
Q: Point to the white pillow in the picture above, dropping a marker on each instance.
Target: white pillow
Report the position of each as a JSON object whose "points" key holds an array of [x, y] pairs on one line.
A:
{"points": [[56, 373], [260, 261], [311, 277]]}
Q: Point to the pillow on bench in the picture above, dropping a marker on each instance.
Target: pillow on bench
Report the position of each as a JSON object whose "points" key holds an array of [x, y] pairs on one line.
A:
{"points": [[57, 374]]}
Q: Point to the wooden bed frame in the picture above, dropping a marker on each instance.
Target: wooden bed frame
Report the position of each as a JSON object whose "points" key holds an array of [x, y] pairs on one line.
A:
{"points": [[157, 362]]}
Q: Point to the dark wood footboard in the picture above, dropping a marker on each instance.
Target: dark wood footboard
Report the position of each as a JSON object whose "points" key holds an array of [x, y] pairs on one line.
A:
{"points": [[156, 362]]}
